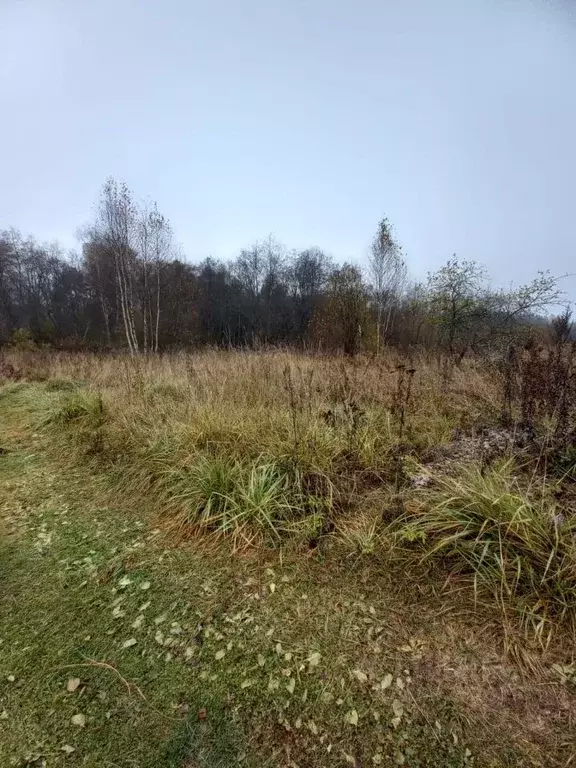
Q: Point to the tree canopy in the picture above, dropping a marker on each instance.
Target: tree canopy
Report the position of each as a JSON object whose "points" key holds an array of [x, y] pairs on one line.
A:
{"points": [[131, 288]]}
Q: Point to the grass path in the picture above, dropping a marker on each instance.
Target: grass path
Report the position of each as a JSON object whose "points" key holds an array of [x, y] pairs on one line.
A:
{"points": [[120, 649]]}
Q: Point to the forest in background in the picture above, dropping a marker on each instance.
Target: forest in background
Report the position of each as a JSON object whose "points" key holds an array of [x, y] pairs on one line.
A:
{"points": [[131, 288]]}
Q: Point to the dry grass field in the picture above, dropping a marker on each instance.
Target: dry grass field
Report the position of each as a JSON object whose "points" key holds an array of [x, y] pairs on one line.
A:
{"points": [[264, 558]]}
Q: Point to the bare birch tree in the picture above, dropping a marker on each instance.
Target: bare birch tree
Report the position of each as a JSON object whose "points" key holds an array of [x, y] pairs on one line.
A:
{"points": [[387, 272], [116, 225], [155, 245]]}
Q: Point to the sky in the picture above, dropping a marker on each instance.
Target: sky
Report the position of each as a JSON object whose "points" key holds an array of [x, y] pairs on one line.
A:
{"points": [[308, 119]]}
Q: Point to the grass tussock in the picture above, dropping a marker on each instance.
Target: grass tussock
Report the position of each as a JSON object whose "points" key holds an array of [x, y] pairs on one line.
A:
{"points": [[251, 500], [514, 540], [83, 407]]}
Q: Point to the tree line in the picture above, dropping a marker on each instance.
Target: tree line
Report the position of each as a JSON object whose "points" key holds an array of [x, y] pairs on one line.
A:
{"points": [[130, 288]]}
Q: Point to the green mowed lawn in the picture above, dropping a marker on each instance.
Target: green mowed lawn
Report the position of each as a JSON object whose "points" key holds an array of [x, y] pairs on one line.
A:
{"points": [[122, 647]]}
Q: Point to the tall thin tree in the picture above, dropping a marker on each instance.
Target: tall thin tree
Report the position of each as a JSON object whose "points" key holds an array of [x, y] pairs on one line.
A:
{"points": [[387, 272]]}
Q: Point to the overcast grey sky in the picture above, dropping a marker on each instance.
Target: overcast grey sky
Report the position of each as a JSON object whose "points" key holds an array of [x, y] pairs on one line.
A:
{"points": [[306, 118]]}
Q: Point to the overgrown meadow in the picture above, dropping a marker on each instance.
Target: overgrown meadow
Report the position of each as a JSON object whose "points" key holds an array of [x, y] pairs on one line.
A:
{"points": [[351, 528]]}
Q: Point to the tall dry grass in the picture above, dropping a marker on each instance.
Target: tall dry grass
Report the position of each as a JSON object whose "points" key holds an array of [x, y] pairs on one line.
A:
{"points": [[335, 427], [274, 383], [274, 446]]}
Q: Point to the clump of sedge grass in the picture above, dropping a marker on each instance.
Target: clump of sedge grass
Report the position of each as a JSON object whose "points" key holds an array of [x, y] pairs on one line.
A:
{"points": [[82, 406], [512, 541], [81, 413], [252, 500]]}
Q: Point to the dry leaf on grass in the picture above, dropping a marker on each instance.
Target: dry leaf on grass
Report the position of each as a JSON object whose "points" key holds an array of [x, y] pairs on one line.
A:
{"points": [[386, 682], [351, 717], [79, 720]]}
